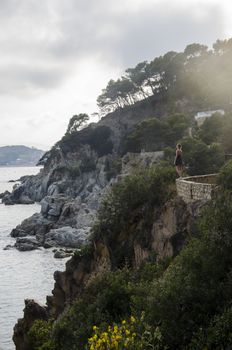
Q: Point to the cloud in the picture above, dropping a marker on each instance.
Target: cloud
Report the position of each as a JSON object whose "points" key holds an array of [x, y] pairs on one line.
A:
{"points": [[57, 55], [45, 41]]}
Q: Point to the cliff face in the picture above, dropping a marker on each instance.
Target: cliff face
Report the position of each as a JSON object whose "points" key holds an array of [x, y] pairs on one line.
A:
{"points": [[70, 171], [172, 225]]}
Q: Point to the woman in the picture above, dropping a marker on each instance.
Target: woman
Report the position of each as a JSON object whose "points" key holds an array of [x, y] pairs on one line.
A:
{"points": [[178, 160]]}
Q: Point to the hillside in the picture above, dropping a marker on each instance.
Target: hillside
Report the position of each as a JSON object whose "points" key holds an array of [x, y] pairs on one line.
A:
{"points": [[19, 155], [148, 270]]}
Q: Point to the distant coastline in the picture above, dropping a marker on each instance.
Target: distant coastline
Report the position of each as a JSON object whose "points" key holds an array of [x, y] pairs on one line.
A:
{"points": [[19, 156]]}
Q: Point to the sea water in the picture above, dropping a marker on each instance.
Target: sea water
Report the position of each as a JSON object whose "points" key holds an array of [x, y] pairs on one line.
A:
{"points": [[22, 274]]}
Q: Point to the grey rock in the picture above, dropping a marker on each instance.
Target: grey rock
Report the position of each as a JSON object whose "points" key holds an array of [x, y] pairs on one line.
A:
{"points": [[66, 237], [61, 254], [26, 243], [26, 200], [54, 211], [8, 247], [4, 194]]}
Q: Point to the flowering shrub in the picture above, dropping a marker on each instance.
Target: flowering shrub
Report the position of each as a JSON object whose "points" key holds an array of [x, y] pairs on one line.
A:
{"points": [[132, 334]]}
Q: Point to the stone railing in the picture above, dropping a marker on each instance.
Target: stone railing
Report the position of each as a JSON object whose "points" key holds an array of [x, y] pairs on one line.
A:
{"points": [[193, 188]]}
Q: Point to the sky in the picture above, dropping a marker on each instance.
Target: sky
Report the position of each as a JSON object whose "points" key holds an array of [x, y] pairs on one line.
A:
{"points": [[56, 56]]}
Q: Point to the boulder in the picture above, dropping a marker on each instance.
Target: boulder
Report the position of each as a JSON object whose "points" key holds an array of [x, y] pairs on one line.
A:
{"points": [[26, 244], [61, 254], [32, 311], [4, 194], [66, 237]]}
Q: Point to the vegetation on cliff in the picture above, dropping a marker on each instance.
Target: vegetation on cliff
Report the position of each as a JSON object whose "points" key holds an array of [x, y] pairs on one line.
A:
{"points": [[182, 303]]}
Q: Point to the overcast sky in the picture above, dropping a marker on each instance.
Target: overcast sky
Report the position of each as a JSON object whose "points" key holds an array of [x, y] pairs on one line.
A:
{"points": [[57, 55]]}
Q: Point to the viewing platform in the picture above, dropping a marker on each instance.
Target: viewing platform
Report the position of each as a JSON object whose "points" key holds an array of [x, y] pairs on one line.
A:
{"points": [[198, 187]]}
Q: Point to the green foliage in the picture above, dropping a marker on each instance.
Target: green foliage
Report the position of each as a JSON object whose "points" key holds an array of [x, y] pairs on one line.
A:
{"points": [[154, 134], [201, 159], [131, 334], [187, 300], [108, 299], [225, 138], [133, 198], [198, 74], [197, 285], [40, 336], [225, 176], [98, 138], [217, 336], [211, 129], [76, 122], [86, 250]]}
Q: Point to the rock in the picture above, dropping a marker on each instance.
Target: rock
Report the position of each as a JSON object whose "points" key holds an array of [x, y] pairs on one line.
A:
{"points": [[28, 226], [26, 244], [17, 196], [25, 200], [32, 311], [66, 237], [8, 247], [51, 206], [61, 254], [174, 225], [4, 194]]}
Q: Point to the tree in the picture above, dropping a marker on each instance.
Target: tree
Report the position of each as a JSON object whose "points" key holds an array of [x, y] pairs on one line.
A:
{"points": [[76, 122], [211, 129], [195, 50]]}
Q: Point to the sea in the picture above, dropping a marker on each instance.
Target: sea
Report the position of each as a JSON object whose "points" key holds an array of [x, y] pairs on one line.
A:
{"points": [[22, 274]]}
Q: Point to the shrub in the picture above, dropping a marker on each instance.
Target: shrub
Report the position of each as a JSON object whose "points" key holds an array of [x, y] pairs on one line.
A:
{"points": [[131, 334], [106, 300], [201, 159], [217, 336], [225, 176], [129, 201], [40, 335], [98, 138], [198, 283], [154, 134]]}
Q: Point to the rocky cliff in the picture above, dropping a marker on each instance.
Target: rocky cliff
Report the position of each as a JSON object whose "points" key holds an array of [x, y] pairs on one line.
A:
{"points": [[69, 208], [172, 226]]}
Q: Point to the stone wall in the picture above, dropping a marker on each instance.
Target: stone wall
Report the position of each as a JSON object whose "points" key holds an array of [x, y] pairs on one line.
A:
{"points": [[193, 188]]}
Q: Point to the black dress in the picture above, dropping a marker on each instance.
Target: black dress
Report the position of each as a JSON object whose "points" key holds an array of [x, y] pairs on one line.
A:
{"points": [[178, 159]]}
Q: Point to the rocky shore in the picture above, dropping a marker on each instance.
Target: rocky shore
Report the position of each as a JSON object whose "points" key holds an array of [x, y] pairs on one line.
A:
{"points": [[68, 203]]}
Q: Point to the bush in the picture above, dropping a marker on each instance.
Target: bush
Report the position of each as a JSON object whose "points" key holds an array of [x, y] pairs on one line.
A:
{"points": [[40, 336], [154, 134], [201, 159], [129, 201], [98, 138], [198, 283], [131, 334], [217, 336], [108, 299], [225, 176], [211, 129]]}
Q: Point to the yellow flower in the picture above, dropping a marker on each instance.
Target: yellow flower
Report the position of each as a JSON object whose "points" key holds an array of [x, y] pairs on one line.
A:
{"points": [[133, 320]]}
